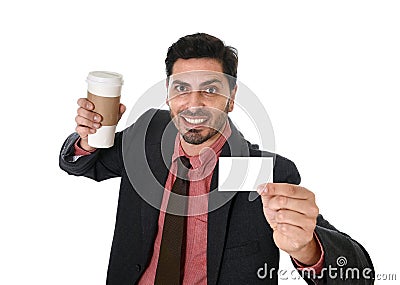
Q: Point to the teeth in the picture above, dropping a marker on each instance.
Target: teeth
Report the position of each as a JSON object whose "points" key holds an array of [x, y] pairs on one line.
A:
{"points": [[194, 121]]}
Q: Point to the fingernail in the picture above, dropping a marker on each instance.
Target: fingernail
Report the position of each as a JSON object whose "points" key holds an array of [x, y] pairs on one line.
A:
{"points": [[96, 118], [88, 106], [260, 189], [268, 186], [96, 125]]}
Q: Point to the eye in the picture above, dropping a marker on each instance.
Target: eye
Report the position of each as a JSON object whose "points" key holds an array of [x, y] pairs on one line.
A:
{"points": [[211, 90], [181, 88]]}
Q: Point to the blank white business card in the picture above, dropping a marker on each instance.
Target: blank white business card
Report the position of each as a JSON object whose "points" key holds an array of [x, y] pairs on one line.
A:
{"points": [[244, 173]]}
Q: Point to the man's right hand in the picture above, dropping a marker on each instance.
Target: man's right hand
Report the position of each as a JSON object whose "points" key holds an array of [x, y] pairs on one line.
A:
{"points": [[89, 121]]}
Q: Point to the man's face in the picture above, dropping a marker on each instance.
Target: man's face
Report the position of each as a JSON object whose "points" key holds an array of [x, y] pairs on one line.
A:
{"points": [[199, 98]]}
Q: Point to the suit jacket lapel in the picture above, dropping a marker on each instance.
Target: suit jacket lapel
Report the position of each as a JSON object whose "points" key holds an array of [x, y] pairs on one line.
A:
{"points": [[150, 213], [158, 153], [216, 233]]}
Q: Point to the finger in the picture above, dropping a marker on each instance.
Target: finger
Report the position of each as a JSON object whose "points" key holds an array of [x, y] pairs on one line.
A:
{"points": [[90, 115], [85, 103], [81, 121], [288, 190], [84, 131], [122, 109], [296, 235], [262, 188], [303, 206], [295, 219], [270, 215]]}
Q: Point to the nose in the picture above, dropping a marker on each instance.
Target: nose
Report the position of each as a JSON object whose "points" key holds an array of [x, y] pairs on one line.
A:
{"points": [[195, 99]]}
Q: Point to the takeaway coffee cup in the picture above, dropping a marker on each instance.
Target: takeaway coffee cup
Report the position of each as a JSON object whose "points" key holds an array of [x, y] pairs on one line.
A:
{"points": [[104, 91]]}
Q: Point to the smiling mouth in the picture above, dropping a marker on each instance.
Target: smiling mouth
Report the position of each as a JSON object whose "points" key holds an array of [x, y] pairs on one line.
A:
{"points": [[195, 120]]}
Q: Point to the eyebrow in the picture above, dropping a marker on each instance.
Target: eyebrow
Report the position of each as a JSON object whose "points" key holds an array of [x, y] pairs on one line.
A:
{"points": [[180, 82], [208, 82]]}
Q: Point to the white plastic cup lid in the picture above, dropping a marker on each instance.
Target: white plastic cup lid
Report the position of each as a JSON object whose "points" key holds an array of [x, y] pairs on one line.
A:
{"points": [[105, 77]]}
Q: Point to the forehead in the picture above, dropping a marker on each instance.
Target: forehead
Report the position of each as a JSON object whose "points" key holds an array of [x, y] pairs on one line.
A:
{"points": [[198, 78], [192, 64], [195, 71]]}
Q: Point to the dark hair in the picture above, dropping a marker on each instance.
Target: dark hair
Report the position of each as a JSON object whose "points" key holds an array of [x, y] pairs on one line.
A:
{"points": [[202, 45]]}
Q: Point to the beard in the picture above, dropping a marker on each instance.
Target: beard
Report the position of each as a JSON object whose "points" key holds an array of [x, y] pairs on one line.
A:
{"points": [[214, 124]]}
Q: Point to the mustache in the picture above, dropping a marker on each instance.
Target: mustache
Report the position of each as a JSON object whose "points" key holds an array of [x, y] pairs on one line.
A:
{"points": [[195, 112]]}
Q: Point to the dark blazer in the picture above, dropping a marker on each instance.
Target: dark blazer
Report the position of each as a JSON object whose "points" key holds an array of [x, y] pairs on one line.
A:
{"points": [[239, 240]]}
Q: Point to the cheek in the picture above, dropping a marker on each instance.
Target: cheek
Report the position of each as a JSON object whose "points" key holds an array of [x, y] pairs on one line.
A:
{"points": [[174, 107], [220, 106]]}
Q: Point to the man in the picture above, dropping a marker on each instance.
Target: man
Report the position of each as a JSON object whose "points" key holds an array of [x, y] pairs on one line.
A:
{"points": [[236, 242]]}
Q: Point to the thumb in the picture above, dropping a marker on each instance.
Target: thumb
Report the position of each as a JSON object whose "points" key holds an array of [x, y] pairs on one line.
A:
{"points": [[122, 109], [268, 213], [270, 217]]}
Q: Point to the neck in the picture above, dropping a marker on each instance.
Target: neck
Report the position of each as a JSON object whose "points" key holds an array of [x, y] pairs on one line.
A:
{"points": [[193, 149]]}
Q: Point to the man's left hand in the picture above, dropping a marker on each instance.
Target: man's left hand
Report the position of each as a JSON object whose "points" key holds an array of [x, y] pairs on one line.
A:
{"points": [[292, 213]]}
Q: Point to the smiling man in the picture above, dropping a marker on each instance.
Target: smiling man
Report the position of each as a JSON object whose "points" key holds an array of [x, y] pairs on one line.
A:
{"points": [[180, 237], [199, 97]]}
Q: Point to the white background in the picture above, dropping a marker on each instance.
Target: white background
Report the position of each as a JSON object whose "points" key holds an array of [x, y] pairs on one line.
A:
{"points": [[327, 72]]}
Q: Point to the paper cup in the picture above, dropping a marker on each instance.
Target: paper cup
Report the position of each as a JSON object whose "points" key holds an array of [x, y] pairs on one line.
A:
{"points": [[104, 91]]}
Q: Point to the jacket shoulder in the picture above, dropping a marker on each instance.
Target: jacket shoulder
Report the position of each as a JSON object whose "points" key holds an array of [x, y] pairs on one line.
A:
{"points": [[285, 170], [157, 118], [153, 121]]}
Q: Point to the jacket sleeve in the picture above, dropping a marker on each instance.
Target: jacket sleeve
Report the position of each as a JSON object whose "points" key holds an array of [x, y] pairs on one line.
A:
{"points": [[346, 261], [100, 165]]}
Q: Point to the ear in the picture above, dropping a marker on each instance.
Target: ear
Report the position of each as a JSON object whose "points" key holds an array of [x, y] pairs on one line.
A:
{"points": [[166, 86], [232, 99]]}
